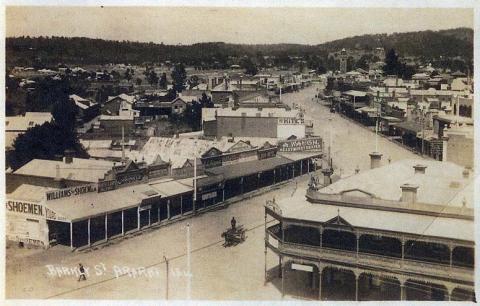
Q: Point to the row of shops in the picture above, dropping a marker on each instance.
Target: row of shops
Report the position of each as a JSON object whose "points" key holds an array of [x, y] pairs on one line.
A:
{"points": [[81, 216]]}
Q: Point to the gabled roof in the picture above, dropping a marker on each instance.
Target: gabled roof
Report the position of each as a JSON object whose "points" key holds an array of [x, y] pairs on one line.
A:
{"points": [[129, 99]]}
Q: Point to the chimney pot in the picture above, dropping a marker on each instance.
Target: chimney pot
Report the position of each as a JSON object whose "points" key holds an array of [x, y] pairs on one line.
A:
{"points": [[375, 159], [409, 193], [419, 169], [68, 156]]}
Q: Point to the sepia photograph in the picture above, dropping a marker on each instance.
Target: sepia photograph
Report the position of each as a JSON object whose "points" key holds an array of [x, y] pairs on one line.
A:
{"points": [[252, 153]]}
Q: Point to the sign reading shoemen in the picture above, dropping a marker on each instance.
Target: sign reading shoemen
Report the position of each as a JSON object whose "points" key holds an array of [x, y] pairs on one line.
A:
{"points": [[24, 207], [72, 191], [304, 144]]}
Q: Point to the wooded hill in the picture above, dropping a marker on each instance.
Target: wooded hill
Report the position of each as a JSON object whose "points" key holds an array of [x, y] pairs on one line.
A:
{"points": [[47, 51]]}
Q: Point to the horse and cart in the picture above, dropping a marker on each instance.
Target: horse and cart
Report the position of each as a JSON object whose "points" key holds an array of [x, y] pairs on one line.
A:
{"points": [[234, 235]]}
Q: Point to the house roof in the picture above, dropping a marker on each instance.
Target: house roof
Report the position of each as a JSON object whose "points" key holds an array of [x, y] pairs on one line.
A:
{"points": [[82, 102], [29, 193], [177, 150], [29, 120], [298, 207], [129, 99], [441, 183], [84, 170]]}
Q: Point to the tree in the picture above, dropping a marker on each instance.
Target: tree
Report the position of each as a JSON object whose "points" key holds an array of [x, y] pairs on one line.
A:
{"points": [[363, 62], [152, 77], [129, 74], [206, 101], [179, 75], [193, 81], [392, 64], [249, 66], [50, 139], [163, 81]]}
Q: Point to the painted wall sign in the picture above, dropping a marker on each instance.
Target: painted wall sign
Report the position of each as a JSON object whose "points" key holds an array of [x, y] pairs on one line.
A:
{"points": [[296, 145], [290, 121], [25, 207], [72, 191]]}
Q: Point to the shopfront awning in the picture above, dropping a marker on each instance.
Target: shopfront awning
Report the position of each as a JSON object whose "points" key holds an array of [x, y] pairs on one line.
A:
{"points": [[248, 168]]}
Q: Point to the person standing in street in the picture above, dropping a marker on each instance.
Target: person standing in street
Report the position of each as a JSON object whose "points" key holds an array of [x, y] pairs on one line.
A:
{"points": [[233, 222], [82, 272]]}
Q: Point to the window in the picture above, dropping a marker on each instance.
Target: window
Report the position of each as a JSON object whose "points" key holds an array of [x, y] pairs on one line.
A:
{"points": [[30, 123]]}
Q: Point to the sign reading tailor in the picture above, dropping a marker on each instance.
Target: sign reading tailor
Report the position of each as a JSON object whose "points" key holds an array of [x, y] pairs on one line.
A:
{"points": [[25, 207], [72, 191], [305, 144]]}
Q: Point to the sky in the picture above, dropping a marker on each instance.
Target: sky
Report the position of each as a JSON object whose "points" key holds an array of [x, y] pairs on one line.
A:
{"points": [[187, 25]]}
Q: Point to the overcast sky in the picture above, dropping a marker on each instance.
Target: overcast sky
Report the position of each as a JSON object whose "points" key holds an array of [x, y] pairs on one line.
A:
{"points": [[234, 25]]}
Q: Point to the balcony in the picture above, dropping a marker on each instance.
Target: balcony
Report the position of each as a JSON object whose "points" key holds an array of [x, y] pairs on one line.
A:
{"points": [[367, 260]]}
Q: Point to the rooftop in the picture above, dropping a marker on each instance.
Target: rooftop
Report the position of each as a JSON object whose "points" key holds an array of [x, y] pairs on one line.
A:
{"points": [[441, 184], [84, 170], [460, 229]]}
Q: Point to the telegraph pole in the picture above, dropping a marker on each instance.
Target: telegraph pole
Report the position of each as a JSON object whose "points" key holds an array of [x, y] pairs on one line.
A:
{"points": [[166, 286], [195, 179], [189, 274]]}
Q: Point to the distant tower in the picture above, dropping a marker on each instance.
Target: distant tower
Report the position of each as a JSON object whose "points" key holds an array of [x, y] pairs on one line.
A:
{"points": [[343, 61]]}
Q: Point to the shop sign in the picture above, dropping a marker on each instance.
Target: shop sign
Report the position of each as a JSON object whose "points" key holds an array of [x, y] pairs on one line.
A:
{"points": [[209, 195], [129, 178], [25, 207], [72, 191], [51, 215], [106, 186], [305, 144], [302, 267], [290, 121]]}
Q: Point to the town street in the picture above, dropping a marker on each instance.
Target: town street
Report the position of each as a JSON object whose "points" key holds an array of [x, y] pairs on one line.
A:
{"points": [[217, 272]]}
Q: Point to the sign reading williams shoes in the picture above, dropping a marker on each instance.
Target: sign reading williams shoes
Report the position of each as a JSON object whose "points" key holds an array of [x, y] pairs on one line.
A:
{"points": [[304, 144], [72, 191]]}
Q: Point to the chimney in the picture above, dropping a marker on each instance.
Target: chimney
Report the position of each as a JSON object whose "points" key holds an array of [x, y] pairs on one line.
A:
{"points": [[68, 156], [327, 180], [57, 172], [419, 169], [375, 159], [409, 193]]}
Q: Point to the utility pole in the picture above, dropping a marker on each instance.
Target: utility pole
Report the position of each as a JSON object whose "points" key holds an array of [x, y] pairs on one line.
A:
{"points": [[123, 144], [166, 283], [189, 274], [423, 131], [195, 179]]}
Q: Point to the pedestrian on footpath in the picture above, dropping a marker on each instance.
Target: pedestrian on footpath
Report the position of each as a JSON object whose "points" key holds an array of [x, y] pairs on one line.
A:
{"points": [[82, 272]]}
